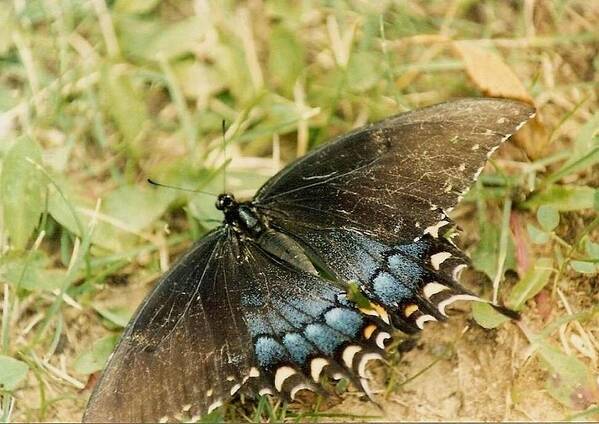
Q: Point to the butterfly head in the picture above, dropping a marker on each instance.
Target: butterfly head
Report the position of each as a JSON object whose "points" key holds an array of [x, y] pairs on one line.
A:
{"points": [[225, 202]]}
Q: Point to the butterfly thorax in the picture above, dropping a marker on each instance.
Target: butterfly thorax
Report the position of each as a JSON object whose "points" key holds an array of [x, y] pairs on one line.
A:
{"points": [[242, 217], [249, 224]]}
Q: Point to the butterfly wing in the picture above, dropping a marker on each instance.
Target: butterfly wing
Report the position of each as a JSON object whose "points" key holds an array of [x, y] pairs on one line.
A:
{"points": [[186, 333], [369, 206], [229, 317], [412, 283], [393, 180], [303, 326]]}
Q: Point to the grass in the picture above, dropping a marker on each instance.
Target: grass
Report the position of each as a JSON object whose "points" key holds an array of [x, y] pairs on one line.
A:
{"points": [[97, 96]]}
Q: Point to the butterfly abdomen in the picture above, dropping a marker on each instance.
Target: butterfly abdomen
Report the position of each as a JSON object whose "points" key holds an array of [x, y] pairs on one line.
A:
{"points": [[284, 247]]}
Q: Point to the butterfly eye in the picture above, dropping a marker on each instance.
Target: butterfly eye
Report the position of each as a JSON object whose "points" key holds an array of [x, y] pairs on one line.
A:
{"points": [[224, 201]]}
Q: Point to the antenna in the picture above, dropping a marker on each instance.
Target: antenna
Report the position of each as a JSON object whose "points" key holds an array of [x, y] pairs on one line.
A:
{"points": [[180, 188], [225, 158]]}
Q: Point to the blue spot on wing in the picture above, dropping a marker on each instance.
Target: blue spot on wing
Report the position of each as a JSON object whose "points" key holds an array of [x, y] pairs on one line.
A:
{"points": [[325, 338], [405, 270], [365, 252], [269, 351], [256, 323], [312, 306], [415, 249], [389, 290], [344, 320], [298, 347], [296, 317], [343, 300], [279, 323]]}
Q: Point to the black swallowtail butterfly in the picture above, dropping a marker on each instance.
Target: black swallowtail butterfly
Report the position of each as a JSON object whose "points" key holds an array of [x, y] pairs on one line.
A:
{"points": [[260, 304]]}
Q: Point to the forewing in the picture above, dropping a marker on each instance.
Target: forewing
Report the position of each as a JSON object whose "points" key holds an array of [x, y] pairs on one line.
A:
{"points": [[186, 348], [394, 179]]}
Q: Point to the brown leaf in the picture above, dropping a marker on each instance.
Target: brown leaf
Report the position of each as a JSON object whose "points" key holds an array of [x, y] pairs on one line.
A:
{"points": [[533, 138], [521, 243], [92, 379], [490, 73], [495, 78], [544, 304]]}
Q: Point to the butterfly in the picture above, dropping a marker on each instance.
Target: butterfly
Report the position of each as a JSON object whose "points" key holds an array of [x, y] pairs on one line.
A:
{"points": [[262, 304]]}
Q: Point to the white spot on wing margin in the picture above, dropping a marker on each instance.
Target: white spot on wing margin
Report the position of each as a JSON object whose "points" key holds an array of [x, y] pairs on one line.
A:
{"points": [[282, 374], [433, 288], [424, 318], [477, 173], [364, 360], [381, 337], [433, 230], [235, 388], [349, 353], [438, 258], [443, 304], [316, 367], [457, 271], [301, 386]]}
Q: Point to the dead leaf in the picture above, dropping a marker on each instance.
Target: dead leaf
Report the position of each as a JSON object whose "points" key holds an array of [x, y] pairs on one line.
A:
{"points": [[533, 138], [92, 379], [544, 304], [521, 242], [495, 78]]}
